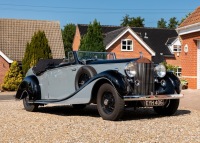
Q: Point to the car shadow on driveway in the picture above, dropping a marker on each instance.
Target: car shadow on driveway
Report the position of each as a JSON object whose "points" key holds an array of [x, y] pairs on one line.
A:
{"points": [[148, 113], [70, 111], [91, 111]]}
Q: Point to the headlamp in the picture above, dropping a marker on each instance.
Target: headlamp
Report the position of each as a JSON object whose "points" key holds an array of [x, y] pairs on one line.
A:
{"points": [[130, 69]]}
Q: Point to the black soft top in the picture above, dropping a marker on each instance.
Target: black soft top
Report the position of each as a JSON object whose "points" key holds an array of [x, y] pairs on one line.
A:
{"points": [[45, 64]]}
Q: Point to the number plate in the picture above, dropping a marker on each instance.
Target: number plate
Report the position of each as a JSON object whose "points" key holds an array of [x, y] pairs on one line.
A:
{"points": [[149, 103]]}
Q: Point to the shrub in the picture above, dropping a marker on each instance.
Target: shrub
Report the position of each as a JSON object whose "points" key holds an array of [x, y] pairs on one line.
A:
{"points": [[12, 78], [37, 49], [171, 68]]}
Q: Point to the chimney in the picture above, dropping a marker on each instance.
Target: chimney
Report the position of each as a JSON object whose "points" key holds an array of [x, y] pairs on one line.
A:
{"points": [[145, 35]]}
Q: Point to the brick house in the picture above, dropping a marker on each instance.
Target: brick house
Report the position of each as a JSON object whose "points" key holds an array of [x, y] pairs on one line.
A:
{"points": [[14, 35], [189, 33], [156, 44]]}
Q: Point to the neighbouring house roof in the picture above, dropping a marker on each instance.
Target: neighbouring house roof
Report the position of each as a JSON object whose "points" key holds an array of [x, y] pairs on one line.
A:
{"points": [[14, 35], [191, 24], [105, 28], [152, 38], [156, 39], [108, 37], [193, 18]]}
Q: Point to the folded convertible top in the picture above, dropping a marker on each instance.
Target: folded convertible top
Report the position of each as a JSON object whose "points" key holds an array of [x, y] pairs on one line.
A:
{"points": [[45, 64]]}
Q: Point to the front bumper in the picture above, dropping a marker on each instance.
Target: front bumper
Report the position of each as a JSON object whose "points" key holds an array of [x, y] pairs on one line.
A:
{"points": [[152, 97]]}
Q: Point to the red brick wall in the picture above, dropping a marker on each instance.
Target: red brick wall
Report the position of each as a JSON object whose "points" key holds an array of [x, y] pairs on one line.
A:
{"points": [[4, 67], [77, 39], [174, 61], [137, 47], [189, 60]]}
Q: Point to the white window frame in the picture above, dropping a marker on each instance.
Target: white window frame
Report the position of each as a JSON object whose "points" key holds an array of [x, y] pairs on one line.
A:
{"points": [[126, 40], [178, 47], [177, 72]]}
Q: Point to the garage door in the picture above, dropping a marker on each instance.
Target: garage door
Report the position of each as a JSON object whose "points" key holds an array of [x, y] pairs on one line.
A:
{"points": [[198, 65]]}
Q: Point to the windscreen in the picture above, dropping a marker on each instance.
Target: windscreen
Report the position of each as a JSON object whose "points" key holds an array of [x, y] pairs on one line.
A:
{"points": [[85, 55]]}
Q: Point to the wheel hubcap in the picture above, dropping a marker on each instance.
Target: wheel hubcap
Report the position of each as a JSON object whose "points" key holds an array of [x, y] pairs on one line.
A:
{"points": [[108, 102]]}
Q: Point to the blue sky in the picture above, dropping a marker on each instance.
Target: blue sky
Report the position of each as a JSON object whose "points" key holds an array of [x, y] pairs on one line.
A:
{"points": [[107, 12]]}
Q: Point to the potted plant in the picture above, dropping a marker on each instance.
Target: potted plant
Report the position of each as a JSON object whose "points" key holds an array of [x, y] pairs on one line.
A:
{"points": [[184, 83]]}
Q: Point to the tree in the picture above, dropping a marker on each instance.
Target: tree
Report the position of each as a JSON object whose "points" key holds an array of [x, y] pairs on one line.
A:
{"points": [[173, 23], [12, 78], [132, 21], [68, 36], [137, 22], [37, 49], [93, 39], [161, 23], [125, 20]]}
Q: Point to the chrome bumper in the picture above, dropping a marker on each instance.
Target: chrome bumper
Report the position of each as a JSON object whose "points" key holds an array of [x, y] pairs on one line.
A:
{"points": [[152, 97]]}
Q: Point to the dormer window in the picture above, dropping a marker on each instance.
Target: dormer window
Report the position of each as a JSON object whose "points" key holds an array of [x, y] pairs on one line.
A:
{"points": [[126, 45], [177, 48]]}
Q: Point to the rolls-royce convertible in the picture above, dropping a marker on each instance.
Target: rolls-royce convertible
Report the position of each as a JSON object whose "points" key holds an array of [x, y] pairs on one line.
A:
{"points": [[99, 78]]}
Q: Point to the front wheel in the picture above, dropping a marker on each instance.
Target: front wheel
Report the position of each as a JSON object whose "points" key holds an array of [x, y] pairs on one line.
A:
{"points": [[28, 106], [109, 104], [169, 109]]}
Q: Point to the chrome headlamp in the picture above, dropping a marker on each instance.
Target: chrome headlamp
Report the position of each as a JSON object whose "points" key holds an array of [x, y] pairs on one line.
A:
{"points": [[160, 70], [130, 69]]}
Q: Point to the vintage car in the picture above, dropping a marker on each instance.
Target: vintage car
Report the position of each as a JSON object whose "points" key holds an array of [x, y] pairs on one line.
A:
{"points": [[99, 78]]}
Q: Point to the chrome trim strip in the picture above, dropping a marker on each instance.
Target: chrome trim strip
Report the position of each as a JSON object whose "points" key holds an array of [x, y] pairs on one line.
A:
{"points": [[152, 97]]}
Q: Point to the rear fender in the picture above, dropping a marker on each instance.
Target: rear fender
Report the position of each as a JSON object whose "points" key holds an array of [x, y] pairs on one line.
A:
{"points": [[30, 84]]}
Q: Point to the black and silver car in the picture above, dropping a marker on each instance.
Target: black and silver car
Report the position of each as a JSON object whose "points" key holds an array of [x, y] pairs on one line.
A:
{"points": [[99, 78]]}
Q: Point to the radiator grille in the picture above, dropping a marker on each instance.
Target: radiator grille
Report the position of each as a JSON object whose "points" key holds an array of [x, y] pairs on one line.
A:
{"points": [[144, 79]]}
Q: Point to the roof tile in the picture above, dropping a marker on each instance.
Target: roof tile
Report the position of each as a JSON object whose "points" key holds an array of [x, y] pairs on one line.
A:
{"points": [[192, 19], [14, 35]]}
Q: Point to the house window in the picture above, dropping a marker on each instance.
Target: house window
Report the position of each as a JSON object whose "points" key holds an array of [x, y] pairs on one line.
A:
{"points": [[178, 71], [176, 48], [127, 45]]}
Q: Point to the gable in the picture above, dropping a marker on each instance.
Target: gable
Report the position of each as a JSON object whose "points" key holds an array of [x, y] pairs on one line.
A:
{"points": [[128, 30], [174, 42]]}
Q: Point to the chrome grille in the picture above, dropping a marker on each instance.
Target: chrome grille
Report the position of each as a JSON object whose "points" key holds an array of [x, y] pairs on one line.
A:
{"points": [[144, 79]]}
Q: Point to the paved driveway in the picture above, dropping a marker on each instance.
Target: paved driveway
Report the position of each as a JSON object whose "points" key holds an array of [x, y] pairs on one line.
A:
{"points": [[7, 95], [191, 98]]}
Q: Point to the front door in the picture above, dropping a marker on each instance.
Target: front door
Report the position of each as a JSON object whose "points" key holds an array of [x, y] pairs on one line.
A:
{"points": [[61, 82], [198, 64]]}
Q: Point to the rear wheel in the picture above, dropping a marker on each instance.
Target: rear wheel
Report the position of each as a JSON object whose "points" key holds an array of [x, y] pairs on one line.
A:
{"points": [[83, 75], [169, 109], [109, 104], [29, 106]]}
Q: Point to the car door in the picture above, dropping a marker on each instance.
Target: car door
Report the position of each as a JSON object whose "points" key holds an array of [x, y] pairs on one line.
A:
{"points": [[61, 81]]}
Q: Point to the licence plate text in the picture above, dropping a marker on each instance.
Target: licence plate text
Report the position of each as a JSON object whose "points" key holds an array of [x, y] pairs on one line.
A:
{"points": [[149, 103]]}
